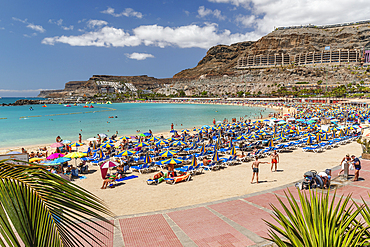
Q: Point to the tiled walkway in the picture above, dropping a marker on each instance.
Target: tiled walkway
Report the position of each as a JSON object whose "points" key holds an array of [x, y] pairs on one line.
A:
{"points": [[232, 222]]}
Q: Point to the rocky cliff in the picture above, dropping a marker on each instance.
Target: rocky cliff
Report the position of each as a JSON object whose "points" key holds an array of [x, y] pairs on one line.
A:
{"points": [[221, 59], [216, 72]]}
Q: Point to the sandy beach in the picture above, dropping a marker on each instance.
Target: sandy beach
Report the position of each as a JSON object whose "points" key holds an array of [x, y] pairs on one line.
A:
{"points": [[135, 196]]}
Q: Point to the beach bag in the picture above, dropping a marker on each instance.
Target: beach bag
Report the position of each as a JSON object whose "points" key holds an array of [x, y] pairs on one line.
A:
{"points": [[351, 167]]}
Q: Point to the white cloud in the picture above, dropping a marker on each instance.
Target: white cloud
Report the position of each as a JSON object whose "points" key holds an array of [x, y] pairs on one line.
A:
{"points": [[96, 23], [58, 22], [67, 28], [32, 26], [128, 12], [267, 14], [37, 28], [189, 36], [30, 36], [2, 28], [202, 12], [17, 19], [247, 21], [139, 56]]}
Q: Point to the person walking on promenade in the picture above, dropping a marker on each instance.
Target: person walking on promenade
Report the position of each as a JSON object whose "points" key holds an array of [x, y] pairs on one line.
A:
{"points": [[255, 168], [357, 165], [274, 160]]}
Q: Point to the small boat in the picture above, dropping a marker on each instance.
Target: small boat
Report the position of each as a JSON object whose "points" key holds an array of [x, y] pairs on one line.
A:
{"points": [[85, 106], [91, 106], [67, 105], [44, 105]]}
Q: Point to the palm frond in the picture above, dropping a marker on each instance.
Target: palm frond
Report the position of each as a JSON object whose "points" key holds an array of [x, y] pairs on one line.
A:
{"points": [[315, 220], [44, 209]]}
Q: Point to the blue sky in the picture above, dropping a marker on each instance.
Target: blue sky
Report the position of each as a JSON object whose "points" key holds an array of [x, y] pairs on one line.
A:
{"points": [[45, 44]]}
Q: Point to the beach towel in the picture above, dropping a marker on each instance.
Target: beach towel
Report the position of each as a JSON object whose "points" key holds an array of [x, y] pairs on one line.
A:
{"points": [[126, 178]]}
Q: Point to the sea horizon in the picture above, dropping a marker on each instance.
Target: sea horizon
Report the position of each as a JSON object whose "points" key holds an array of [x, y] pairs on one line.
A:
{"points": [[41, 125]]}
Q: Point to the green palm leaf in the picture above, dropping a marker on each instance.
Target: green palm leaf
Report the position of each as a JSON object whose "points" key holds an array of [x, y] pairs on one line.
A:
{"points": [[39, 208], [315, 221]]}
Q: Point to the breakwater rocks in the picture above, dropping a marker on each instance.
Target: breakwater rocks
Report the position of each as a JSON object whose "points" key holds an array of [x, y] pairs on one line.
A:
{"points": [[41, 102]]}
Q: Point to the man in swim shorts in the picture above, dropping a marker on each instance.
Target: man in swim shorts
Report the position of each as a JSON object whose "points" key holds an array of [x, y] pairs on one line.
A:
{"points": [[255, 168], [357, 165], [274, 160]]}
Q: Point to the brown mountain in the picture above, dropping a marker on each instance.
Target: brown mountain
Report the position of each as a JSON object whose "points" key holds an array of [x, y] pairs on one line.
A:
{"points": [[222, 59]]}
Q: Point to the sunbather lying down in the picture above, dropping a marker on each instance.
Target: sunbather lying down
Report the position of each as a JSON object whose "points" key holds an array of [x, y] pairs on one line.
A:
{"points": [[157, 178]]}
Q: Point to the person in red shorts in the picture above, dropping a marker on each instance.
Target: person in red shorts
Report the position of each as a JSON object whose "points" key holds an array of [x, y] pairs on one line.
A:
{"points": [[274, 160]]}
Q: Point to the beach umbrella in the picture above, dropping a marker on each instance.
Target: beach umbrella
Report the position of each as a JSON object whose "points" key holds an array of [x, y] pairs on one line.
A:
{"points": [[109, 141], [105, 166], [76, 144], [203, 149], [125, 137], [54, 156], [60, 160], [215, 157], [193, 161], [147, 158], [168, 153], [185, 130], [318, 137], [103, 135], [231, 144], [126, 153], [270, 143], [233, 151], [107, 145], [154, 139], [147, 134], [341, 133], [142, 144], [66, 141], [171, 139], [35, 160], [281, 122], [205, 127], [161, 143], [75, 155], [325, 137], [57, 145], [172, 161], [309, 141], [253, 136], [179, 143]]}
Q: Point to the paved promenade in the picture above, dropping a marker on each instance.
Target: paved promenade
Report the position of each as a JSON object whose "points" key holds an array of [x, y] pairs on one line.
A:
{"points": [[235, 221]]}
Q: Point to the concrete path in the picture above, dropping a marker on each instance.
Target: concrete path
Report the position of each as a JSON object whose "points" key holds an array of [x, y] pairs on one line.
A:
{"points": [[231, 222]]}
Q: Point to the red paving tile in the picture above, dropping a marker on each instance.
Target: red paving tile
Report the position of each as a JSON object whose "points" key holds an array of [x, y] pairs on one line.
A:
{"points": [[265, 200], [151, 230], [105, 235], [245, 215], [206, 229], [356, 192], [364, 179]]}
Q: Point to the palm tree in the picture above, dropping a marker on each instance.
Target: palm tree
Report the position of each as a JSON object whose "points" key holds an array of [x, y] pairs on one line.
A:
{"points": [[316, 221], [38, 208]]}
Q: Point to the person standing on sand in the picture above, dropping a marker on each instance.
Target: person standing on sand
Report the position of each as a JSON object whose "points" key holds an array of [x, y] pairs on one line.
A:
{"points": [[172, 126], [255, 168], [79, 138], [274, 160]]}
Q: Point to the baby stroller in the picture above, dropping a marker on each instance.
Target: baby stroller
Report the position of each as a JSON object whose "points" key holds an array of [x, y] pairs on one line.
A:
{"points": [[311, 180]]}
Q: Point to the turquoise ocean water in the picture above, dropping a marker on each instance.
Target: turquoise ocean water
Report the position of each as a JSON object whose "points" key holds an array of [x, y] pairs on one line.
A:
{"points": [[20, 126]]}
